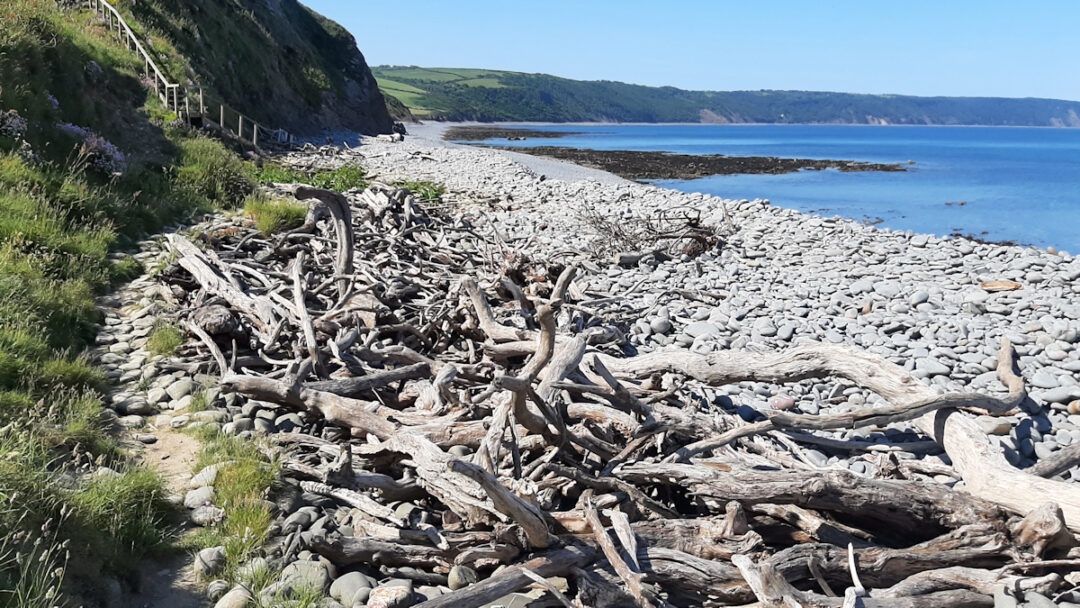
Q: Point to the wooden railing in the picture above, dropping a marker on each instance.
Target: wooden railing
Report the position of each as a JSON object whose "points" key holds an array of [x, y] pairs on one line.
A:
{"points": [[177, 98]]}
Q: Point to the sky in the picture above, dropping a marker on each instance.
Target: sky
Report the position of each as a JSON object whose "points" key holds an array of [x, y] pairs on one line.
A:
{"points": [[915, 47]]}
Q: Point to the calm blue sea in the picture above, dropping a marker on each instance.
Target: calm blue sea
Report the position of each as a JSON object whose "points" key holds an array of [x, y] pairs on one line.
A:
{"points": [[1018, 184]]}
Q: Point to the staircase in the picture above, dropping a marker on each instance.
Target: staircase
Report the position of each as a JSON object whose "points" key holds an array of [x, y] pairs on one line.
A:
{"points": [[186, 102]]}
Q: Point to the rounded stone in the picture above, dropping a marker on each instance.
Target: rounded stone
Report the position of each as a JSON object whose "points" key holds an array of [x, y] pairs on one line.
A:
{"points": [[461, 576], [344, 589], [208, 562], [237, 598], [660, 326], [199, 496], [781, 402]]}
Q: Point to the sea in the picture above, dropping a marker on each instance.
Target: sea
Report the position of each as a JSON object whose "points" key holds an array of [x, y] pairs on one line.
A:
{"points": [[1004, 184]]}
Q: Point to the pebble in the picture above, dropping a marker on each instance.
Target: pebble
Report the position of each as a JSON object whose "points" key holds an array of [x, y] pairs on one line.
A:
{"points": [[932, 367], [344, 589], [180, 389], [205, 477], [461, 576], [782, 402], [206, 515], [308, 574], [208, 562], [660, 325], [237, 598], [1044, 379], [199, 496], [391, 595]]}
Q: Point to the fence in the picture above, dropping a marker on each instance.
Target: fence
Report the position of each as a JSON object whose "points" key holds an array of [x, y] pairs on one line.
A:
{"points": [[172, 94]]}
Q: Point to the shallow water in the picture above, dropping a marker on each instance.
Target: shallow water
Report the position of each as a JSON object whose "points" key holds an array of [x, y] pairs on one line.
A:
{"points": [[1016, 184]]}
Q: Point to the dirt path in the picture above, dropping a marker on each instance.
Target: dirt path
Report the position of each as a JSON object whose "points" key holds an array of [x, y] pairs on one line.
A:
{"points": [[165, 581]]}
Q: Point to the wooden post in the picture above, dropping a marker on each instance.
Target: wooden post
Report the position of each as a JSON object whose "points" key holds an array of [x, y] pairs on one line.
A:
{"points": [[222, 121], [240, 128], [255, 136], [187, 105], [176, 98], [202, 104]]}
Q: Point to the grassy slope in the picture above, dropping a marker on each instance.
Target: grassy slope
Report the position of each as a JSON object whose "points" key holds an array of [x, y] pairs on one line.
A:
{"points": [[62, 214], [278, 61], [489, 95]]}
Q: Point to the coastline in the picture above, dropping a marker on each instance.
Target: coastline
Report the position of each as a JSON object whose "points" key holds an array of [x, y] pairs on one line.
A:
{"points": [[829, 313], [783, 278]]}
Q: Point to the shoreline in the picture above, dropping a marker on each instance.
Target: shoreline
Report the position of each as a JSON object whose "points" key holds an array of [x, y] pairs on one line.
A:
{"points": [[780, 278], [715, 124], [699, 282]]}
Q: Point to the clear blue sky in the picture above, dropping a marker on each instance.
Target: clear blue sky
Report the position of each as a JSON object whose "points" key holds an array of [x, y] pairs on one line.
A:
{"points": [[920, 47]]}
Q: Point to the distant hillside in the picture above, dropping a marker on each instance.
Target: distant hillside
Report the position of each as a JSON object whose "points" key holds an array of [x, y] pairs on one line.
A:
{"points": [[491, 95], [275, 60]]}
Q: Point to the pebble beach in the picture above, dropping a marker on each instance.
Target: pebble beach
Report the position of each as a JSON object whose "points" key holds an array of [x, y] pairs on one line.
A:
{"points": [[789, 278]]}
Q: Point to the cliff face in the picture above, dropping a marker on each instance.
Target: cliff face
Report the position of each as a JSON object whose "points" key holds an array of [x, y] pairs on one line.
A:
{"points": [[277, 61]]}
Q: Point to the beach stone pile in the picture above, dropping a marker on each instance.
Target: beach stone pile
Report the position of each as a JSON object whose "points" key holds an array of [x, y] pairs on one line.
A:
{"points": [[781, 279], [788, 278], [151, 392]]}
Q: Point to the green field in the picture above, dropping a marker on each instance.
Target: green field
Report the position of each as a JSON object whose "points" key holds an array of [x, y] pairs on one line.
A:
{"points": [[491, 95]]}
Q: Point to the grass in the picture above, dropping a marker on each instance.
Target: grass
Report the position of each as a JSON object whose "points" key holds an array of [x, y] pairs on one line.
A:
{"points": [[62, 217], [209, 170], [426, 191], [31, 569], [343, 178], [274, 215], [104, 516], [164, 339], [242, 488], [200, 401]]}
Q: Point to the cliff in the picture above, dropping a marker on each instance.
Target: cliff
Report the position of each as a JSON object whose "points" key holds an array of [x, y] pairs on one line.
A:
{"points": [[277, 61]]}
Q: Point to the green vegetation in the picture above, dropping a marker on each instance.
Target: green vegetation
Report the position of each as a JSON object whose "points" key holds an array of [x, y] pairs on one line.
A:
{"points": [[274, 215], [245, 54], [490, 95], [242, 487], [341, 179], [164, 339], [214, 173], [88, 163], [424, 190], [103, 516]]}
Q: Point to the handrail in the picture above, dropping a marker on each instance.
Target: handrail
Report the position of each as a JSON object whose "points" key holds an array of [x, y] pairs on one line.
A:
{"points": [[172, 101]]}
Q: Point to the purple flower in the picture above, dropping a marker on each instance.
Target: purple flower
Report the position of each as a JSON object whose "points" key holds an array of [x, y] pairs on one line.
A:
{"points": [[12, 125], [102, 155]]}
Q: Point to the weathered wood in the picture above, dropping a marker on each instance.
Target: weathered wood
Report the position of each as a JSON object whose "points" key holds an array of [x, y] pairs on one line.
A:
{"points": [[553, 563], [364, 386], [260, 311], [905, 506], [334, 408]]}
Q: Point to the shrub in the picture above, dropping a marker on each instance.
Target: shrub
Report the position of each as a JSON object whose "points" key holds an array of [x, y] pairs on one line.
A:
{"points": [[275, 173], [274, 215], [341, 179], [210, 170]]}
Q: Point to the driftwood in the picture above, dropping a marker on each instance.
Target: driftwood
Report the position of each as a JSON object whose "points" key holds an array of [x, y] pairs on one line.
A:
{"points": [[432, 364]]}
